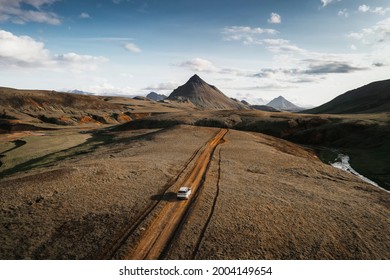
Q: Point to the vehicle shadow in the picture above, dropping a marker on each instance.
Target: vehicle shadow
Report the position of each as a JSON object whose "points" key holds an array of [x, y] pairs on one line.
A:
{"points": [[168, 196]]}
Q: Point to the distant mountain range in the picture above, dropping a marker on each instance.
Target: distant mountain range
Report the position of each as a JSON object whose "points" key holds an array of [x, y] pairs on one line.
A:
{"points": [[155, 96], [371, 98], [204, 96], [76, 91], [282, 104]]}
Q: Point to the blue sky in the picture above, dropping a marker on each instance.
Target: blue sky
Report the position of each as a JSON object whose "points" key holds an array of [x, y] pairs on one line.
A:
{"points": [[307, 51]]}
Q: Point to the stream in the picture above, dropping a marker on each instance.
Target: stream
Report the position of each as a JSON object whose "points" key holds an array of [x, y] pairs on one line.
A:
{"points": [[342, 162]]}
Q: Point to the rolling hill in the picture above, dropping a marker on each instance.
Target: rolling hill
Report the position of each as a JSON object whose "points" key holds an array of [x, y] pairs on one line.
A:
{"points": [[259, 197], [26, 109], [371, 98]]}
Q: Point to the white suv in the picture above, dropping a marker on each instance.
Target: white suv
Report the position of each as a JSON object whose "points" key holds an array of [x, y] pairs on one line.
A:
{"points": [[184, 193]]}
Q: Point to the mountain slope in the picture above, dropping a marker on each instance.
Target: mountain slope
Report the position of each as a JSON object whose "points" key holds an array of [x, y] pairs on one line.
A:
{"points": [[264, 108], [280, 103], [371, 98], [203, 95], [155, 96]]}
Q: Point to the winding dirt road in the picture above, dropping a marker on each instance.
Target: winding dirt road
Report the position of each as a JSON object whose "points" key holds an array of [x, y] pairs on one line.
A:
{"points": [[165, 223]]}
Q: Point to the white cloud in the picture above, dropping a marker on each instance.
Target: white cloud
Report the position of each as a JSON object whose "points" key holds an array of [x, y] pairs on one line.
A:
{"points": [[281, 46], [298, 65], [23, 11], [356, 35], [381, 10], [275, 18], [343, 13], [378, 33], [132, 48], [199, 65], [109, 90], [246, 34], [327, 2], [382, 28], [168, 86], [84, 16], [79, 62], [24, 51], [253, 36], [232, 30], [364, 8], [377, 10]]}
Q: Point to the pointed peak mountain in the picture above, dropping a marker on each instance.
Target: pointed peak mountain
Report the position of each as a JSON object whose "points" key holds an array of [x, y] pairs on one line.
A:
{"points": [[203, 95], [281, 103], [195, 79]]}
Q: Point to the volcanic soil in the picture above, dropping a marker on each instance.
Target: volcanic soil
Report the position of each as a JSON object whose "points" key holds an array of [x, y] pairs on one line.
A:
{"points": [[262, 198]]}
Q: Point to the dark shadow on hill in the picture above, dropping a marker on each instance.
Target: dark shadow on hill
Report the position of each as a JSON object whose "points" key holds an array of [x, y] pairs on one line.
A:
{"points": [[99, 138], [89, 146]]}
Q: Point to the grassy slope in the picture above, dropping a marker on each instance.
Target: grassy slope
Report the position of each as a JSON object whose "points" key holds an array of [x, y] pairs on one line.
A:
{"points": [[364, 137], [372, 98], [36, 146]]}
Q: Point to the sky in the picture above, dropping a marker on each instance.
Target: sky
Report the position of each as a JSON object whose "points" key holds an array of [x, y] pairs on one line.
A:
{"points": [[308, 51]]}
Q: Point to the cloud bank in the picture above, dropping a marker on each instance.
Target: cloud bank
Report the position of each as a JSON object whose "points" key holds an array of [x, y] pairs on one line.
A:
{"points": [[24, 11], [25, 52]]}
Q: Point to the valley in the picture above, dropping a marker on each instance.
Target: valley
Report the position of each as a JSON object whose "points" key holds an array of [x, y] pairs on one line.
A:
{"points": [[262, 186]]}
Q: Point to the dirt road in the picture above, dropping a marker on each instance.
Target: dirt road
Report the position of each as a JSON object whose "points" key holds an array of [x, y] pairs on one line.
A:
{"points": [[163, 226]]}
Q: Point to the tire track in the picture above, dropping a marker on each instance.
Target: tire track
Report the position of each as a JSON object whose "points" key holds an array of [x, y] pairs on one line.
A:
{"points": [[203, 232], [112, 248], [191, 208], [160, 232]]}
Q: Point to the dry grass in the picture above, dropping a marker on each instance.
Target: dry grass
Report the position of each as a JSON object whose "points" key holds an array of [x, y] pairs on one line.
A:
{"points": [[276, 201], [278, 205], [73, 209]]}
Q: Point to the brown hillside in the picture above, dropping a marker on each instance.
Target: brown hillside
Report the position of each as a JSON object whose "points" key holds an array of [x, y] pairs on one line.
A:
{"points": [[19, 109], [262, 198], [203, 95], [371, 98]]}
